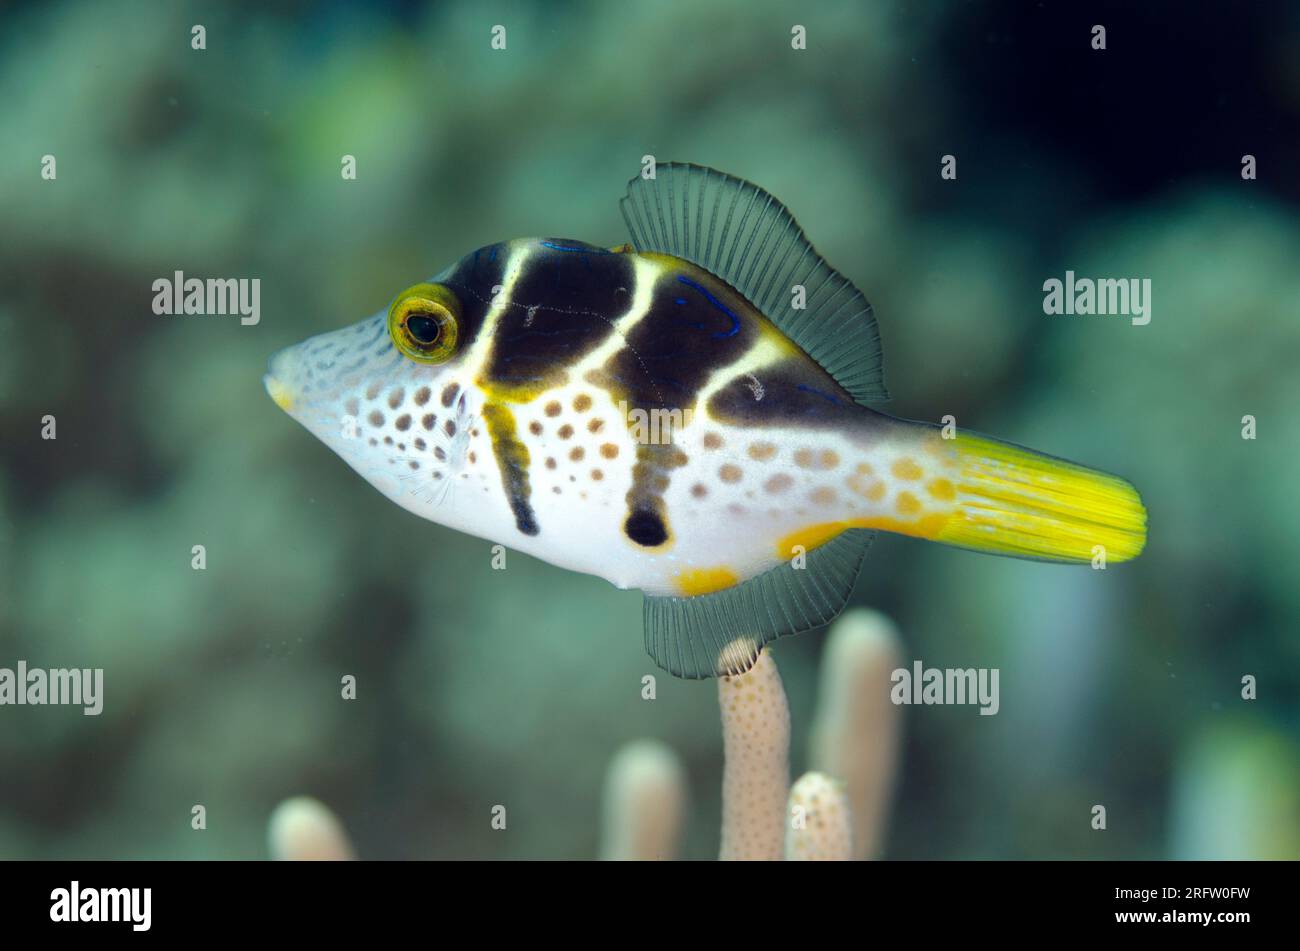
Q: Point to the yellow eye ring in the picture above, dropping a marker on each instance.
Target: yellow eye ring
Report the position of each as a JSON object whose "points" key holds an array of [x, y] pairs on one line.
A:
{"points": [[424, 323]]}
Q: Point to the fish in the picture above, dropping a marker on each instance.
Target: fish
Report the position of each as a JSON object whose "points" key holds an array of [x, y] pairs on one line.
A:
{"points": [[690, 413]]}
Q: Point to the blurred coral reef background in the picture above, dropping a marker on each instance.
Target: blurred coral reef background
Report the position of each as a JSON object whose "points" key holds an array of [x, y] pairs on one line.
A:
{"points": [[479, 687]]}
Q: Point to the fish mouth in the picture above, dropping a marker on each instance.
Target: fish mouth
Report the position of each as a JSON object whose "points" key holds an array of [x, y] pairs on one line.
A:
{"points": [[280, 394], [282, 379]]}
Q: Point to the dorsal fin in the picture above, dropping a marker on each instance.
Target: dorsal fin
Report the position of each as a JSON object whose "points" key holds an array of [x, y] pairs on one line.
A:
{"points": [[744, 236]]}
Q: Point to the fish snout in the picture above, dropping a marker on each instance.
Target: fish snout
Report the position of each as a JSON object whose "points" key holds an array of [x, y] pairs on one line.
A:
{"points": [[279, 380]]}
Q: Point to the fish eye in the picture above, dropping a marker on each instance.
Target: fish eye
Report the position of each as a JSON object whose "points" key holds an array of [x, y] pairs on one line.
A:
{"points": [[425, 328], [424, 322]]}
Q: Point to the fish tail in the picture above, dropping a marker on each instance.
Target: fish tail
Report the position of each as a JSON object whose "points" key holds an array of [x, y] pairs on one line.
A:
{"points": [[1026, 504]]}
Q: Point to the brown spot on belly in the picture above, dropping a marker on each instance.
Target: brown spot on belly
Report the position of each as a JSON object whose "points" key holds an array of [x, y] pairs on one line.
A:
{"points": [[422, 395], [862, 483], [942, 490], [565, 431], [595, 426], [908, 504], [577, 453], [824, 495], [821, 459], [395, 397], [907, 470], [778, 483], [581, 403], [403, 422], [553, 408], [712, 441], [609, 450], [535, 428], [762, 451], [449, 393], [729, 473]]}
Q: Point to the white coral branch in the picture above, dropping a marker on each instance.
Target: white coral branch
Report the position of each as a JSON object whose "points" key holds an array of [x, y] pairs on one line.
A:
{"points": [[836, 812], [818, 823], [756, 770], [644, 803], [304, 830], [855, 730]]}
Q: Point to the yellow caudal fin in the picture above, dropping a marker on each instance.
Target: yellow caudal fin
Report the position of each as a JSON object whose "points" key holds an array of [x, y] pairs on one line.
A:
{"points": [[1013, 501]]}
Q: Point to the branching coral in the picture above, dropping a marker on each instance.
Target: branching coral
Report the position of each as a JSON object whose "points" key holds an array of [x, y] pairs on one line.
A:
{"points": [[756, 772], [819, 827], [838, 811], [855, 731], [835, 812], [644, 803], [303, 830]]}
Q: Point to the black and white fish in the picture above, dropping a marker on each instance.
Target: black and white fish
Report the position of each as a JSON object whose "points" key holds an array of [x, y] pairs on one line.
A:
{"points": [[686, 414]]}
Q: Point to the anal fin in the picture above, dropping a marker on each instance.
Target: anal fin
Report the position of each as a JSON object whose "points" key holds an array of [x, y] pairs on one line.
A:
{"points": [[710, 635]]}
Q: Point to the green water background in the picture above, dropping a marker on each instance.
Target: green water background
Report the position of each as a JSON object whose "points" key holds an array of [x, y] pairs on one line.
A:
{"points": [[478, 687]]}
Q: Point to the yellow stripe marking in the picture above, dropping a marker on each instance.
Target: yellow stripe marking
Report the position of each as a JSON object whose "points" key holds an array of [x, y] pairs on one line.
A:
{"points": [[696, 581]]}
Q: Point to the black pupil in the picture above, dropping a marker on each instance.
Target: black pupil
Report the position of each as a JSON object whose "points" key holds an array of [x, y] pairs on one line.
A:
{"points": [[423, 328]]}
